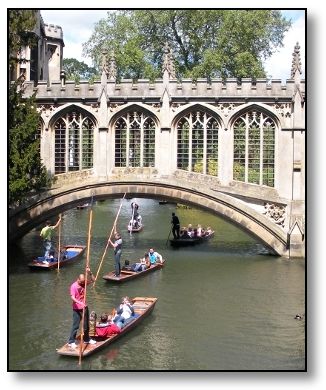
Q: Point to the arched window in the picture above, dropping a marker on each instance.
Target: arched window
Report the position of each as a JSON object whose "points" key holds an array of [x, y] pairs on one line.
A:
{"points": [[254, 149], [74, 142], [197, 143], [135, 140]]}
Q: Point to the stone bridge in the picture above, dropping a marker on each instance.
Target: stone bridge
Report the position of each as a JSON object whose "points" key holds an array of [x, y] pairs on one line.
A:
{"points": [[263, 219]]}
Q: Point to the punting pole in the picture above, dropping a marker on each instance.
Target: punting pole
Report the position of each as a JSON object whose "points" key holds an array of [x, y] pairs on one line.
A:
{"points": [[59, 245], [107, 244], [86, 278], [132, 218], [168, 235]]}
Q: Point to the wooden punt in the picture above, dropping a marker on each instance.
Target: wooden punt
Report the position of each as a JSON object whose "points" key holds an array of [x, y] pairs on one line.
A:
{"points": [[128, 275], [143, 308], [190, 241], [69, 253]]}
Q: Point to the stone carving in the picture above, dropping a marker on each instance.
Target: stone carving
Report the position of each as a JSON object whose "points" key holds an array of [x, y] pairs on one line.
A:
{"points": [[156, 106], [134, 171], [47, 109], [95, 107], [283, 110], [114, 106], [112, 67], [276, 214], [104, 65], [225, 108], [296, 61], [168, 61], [175, 106]]}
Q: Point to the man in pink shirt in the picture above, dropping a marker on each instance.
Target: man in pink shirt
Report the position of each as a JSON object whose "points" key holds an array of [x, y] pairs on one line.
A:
{"points": [[77, 295]]}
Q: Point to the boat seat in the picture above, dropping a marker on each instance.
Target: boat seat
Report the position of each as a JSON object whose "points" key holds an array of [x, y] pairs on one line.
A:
{"points": [[128, 272]]}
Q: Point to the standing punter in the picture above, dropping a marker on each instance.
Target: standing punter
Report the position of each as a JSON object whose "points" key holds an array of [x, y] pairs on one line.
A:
{"points": [[175, 226], [77, 295], [117, 252], [46, 233]]}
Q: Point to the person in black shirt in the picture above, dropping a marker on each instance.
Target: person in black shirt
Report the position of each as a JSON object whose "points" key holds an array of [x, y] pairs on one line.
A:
{"points": [[175, 226]]}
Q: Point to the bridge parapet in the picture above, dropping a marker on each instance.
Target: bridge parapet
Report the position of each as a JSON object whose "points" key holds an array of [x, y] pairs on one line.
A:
{"points": [[191, 180], [126, 89]]}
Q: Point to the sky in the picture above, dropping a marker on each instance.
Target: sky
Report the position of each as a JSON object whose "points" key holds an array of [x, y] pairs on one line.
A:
{"points": [[78, 25]]}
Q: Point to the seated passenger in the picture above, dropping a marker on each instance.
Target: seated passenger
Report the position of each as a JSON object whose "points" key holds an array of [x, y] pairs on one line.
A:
{"points": [[190, 230], [199, 230], [105, 327], [184, 232], [124, 314], [155, 257], [127, 267], [144, 263], [208, 231], [52, 258]]}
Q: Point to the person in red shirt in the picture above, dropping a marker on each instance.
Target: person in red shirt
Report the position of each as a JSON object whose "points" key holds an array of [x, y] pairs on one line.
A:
{"points": [[77, 295], [106, 327]]}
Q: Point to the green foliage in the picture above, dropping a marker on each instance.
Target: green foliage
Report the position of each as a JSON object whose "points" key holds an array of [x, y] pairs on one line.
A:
{"points": [[26, 172], [253, 175], [238, 172], [205, 43], [212, 167], [21, 23], [76, 70]]}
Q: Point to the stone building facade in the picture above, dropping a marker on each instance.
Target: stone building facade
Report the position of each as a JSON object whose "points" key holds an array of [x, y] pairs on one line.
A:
{"points": [[247, 140]]}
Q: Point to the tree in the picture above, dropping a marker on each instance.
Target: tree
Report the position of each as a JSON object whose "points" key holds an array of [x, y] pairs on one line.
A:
{"points": [[205, 43], [76, 70], [20, 32], [26, 171]]}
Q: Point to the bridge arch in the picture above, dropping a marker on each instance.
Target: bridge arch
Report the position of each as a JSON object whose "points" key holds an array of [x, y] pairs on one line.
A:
{"points": [[228, 208]]}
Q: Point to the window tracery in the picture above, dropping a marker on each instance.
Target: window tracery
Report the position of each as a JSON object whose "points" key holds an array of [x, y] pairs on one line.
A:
{"points": [[135, 140], [197, 143], [73, 142], [254, 149]]}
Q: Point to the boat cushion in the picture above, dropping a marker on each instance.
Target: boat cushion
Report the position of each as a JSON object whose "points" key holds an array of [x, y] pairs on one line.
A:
{"points": [[72, 253]]}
